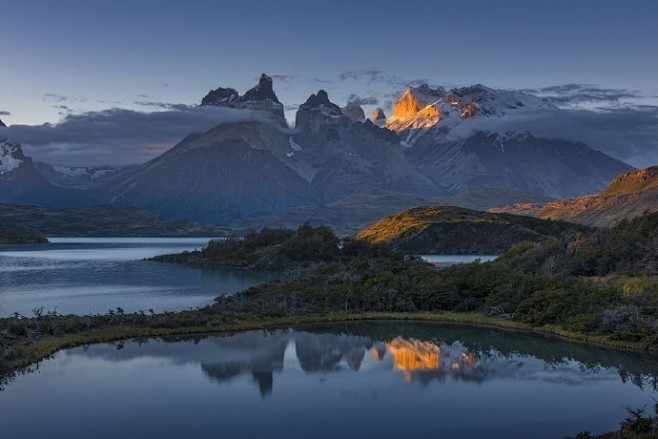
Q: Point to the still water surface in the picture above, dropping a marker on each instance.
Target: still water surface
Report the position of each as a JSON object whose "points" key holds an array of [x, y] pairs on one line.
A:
{"points": [[357, 380], [93, 275], [457, 259]]}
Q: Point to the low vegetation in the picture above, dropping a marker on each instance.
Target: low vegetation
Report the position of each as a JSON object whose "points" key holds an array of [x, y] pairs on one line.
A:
{"points": [[639, 424], [99, 221], [12, 234]]}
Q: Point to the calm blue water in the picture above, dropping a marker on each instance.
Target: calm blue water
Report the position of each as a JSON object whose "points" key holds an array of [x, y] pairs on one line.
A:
{"points": [[457, 259], [367, 380], [93, 275]]}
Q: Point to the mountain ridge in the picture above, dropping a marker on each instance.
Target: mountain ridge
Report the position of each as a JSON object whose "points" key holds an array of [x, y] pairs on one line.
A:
{"points": [[628, 195]]}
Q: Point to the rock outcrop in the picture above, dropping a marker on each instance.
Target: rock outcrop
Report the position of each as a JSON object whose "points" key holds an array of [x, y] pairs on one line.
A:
{"points": [[261, 97], [378, 117], [354, 112]]}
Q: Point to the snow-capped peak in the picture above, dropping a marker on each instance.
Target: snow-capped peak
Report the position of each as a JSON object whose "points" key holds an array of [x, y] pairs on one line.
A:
{"points": [[424, 106], [11, 156]]}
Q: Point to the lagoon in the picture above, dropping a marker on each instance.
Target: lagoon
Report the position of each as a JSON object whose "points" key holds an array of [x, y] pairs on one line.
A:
{"points": [[355, 380]]}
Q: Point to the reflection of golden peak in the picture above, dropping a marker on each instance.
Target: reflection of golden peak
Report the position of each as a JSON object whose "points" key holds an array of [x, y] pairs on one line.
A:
{"points": [[466, 362], [412, 354], [378, 351]]}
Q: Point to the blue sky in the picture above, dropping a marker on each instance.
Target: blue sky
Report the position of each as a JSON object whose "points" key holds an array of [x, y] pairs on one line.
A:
{"points": [[89, 55], [70, 57]]}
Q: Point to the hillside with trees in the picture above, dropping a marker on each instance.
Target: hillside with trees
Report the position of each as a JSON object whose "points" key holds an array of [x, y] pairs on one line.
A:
{"points": [[455, 230], [602, 282]]}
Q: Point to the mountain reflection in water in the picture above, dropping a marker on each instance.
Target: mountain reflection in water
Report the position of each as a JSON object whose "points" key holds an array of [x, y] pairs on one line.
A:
{"points": [[418, 360], [263, 354], [354, 379]]}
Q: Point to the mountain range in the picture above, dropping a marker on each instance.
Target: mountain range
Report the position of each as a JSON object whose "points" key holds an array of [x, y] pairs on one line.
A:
{"points": [[261, 167]]}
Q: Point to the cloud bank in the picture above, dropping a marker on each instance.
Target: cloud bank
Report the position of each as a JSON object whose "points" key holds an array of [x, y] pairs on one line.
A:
{"points": [[119, 137], [629, 134]]}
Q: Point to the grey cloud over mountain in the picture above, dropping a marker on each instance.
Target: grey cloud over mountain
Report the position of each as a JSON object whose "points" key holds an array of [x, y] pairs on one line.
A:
{"points": [[629, 134], [166, 105], [117, 136]]}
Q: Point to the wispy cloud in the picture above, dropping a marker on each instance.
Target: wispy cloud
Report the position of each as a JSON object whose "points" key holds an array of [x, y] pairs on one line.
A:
{"points": [[63, 109], [355, 99], [370, 75], [165, 105], [320, 81], [56, 97], [577, 95], [285, 77]]}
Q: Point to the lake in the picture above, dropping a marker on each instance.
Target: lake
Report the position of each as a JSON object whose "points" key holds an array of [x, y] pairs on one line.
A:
{"points": [[93, 275], [356, 380]]}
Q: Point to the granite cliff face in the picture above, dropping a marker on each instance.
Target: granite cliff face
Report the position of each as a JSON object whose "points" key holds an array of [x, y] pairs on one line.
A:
{"points": [[345, 157], [354, 112], [261, 98]]}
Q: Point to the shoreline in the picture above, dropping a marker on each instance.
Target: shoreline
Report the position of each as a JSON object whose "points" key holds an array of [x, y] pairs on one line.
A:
{"points": [[36, 351]]}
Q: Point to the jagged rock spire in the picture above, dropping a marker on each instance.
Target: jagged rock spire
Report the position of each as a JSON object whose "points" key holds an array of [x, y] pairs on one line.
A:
{"points": [[354, 112], [377, 116], [261, 97], [262, 91], [220, 96]]}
